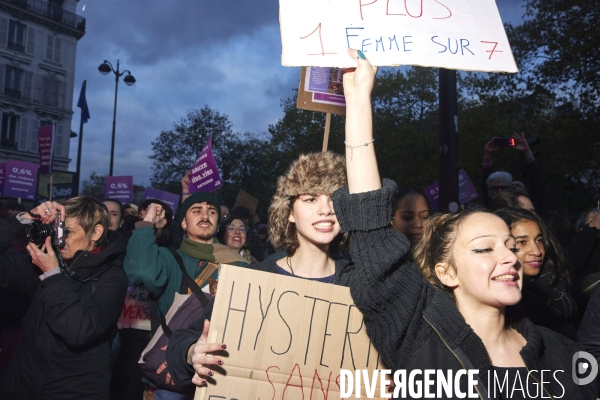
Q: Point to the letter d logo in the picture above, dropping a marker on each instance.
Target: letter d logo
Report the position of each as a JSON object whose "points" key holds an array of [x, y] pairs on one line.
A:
{"points": [[583, 367]]}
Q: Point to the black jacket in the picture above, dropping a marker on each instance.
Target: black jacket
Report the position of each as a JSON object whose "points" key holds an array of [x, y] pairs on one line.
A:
{"points": [[416, 326], [182, 339], [63, 351]]}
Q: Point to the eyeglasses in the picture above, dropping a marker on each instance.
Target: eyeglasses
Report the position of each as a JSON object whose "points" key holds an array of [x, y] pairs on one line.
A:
{"points": [[498, 188], [240, 229]]}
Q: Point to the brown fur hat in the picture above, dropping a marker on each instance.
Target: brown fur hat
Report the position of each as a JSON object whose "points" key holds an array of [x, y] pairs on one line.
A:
{"points": [[315, 173]]}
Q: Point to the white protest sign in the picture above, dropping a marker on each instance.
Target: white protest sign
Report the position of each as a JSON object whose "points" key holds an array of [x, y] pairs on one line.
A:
{"points": [[454, 34]]}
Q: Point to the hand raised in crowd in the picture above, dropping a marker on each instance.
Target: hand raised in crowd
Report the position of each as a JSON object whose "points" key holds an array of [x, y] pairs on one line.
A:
{"points": [[199, 358], [154, 213], [162, 367], [359, 80], [489, 148], [44, 258], [595, 222], [185, 182], [521, 144], [47, 212]]}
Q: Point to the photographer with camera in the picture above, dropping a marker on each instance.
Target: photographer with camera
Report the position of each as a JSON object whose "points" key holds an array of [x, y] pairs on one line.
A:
{"points": [[75, 280], [496, 182]]}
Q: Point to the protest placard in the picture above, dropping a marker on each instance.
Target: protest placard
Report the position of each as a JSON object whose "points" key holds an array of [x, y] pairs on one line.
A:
{"points": [[166, 197], [45, 144], [246, 199], [2, 171], [286, 337], [136, 309], [20, 179], [205, 175], [463, 35], [64, 186], [119, 188], [321, 89], [466, 191]]}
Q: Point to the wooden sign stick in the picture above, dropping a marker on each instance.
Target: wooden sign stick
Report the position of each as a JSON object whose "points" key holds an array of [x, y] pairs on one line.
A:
{"points": [[326, 137]]}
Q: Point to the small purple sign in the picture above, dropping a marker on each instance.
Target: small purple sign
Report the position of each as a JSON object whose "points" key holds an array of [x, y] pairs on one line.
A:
{"points": [[45, 149], [119, 188], [466, 191], [166, 197], [20, 179], [2, 170], [318, 79], [205, 174]]}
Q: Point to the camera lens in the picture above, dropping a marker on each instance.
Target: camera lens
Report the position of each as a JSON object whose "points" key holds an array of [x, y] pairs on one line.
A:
{"points": [[37, 234]]}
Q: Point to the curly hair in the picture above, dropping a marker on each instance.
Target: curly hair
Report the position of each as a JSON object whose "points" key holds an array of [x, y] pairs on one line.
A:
{"points": [[315, 173], [437, 242], [554, 260]]}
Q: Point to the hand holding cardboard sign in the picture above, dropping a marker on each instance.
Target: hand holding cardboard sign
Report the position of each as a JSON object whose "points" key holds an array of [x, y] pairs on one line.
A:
{"points": [[199, 358]]}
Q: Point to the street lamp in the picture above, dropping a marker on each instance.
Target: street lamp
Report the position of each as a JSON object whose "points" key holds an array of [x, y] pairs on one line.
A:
{"points": [[106, 68]]}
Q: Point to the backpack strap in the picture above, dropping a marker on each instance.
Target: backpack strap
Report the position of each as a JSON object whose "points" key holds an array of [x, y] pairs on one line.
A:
{"points": [[189, 282]]}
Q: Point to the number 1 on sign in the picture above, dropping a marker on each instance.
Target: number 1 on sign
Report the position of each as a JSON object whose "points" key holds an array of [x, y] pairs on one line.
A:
{"points": [[322, 53]]}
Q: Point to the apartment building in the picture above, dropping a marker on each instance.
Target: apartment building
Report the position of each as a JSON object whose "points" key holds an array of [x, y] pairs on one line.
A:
{"points": [[38, 42]]}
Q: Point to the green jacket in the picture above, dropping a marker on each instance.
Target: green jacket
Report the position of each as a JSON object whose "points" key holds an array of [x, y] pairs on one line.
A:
{"points": [[155, 267]]}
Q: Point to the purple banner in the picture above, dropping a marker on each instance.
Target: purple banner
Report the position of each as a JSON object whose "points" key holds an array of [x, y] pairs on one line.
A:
{"points": [[45, 149], [166, 197], [205, 174], [20, 179], [119, 188], [2, 170], [466, 191], [326, 84]]}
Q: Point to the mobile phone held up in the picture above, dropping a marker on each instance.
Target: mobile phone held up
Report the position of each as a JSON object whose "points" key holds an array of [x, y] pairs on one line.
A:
{"points": [[504, 142]]}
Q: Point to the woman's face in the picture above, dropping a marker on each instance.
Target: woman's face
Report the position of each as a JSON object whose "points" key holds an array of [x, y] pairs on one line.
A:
{"points": [[530, 246], [235, 235], [114, 213], [409, 217], [315, 220], [76, 239], [487, 272]]}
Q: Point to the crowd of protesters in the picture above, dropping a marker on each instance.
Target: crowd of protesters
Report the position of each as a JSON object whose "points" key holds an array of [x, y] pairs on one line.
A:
{"points": [[495, 288]]}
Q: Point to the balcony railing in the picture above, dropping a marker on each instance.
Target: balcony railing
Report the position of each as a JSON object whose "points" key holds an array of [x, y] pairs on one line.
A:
{"points": [[51, 11]]}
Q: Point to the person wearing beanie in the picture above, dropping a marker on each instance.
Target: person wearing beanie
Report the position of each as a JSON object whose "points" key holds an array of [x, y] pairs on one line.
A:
{"points": [[156, 268]]}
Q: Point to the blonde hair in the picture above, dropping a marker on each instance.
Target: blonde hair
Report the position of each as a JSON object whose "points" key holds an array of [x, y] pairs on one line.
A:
{"points": [[315, 173], [88, 212]]}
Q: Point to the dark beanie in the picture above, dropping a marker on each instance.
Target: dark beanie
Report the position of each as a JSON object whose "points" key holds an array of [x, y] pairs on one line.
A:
{"points": [[199, 197]]}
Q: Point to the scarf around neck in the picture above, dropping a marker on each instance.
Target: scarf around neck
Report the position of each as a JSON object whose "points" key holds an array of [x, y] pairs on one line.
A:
{"points": [[214, 252]]}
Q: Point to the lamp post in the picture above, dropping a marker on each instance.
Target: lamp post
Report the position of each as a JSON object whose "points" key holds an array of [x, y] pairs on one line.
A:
{"points": [[105, 68]]}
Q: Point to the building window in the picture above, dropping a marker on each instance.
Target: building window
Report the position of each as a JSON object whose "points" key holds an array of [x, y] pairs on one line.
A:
{"points": [[16, 36], [53, 48], [10, 124], [12, 81]]}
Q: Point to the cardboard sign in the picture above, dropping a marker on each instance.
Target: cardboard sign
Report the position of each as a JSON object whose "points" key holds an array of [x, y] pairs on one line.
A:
{"points": [[166, 197], [119, 188], [286, 337], [205, 175], [464, 35], [136, 309], [20, 179], [246, 199], [321, 89], [64, 186], [45, 145], [2, 171], [466, 191]]}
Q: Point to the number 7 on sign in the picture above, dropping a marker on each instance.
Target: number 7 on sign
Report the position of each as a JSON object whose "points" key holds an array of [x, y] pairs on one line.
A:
{"points": [[322, 53]]}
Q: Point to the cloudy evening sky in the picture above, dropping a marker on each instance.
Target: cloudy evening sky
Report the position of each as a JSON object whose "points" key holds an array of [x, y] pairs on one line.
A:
{"points": [[184, 54]]}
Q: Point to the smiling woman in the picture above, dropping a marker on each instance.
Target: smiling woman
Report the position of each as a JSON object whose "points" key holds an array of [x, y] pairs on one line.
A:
{"points": [[546, 298]]}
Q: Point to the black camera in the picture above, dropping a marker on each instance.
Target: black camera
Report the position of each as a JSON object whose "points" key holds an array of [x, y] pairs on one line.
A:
{"points": [[38, 232]]}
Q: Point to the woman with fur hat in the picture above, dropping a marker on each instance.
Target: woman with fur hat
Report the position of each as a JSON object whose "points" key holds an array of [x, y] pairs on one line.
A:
{"points": [[303, 222]]}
